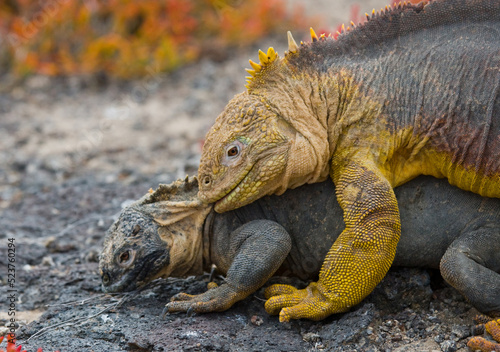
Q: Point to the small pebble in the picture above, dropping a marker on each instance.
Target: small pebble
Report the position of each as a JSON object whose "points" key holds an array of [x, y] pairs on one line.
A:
{"points": [[448, 346], [47, 261], [310, 337], [256, 320]]}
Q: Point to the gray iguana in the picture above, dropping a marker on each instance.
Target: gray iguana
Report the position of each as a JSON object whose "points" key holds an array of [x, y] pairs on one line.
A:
{"points": [[170, 232], [414, 90]]}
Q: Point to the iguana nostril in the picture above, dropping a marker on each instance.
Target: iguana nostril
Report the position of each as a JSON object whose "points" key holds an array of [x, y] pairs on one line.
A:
{"points": [[206, 181]]}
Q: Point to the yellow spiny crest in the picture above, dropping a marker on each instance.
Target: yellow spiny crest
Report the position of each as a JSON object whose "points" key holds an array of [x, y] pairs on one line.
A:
{"points": [[251, 72], [314, 37], [262, 57], [265, 59], [271, 54], [255, 66]]}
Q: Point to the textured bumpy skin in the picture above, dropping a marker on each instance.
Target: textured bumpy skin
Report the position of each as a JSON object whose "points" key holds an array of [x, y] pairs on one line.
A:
{"points": [[415, 90], [156, 236], [173, 234]]}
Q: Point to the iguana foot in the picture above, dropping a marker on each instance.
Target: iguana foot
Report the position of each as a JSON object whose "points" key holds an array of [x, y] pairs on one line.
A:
{"points": [[292, 303], [481, 344], [216, 299]]}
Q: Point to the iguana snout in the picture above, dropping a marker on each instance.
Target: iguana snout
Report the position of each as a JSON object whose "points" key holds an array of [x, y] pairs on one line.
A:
{"points": [[247, 156], [133, 254]]}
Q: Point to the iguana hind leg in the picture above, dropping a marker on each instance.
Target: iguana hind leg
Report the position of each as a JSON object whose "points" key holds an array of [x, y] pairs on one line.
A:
{"points": [[360, 257], [258, 248], [472, 265]]}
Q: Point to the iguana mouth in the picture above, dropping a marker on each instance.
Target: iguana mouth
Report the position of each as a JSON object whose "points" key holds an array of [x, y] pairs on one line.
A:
{"points": [[254, 183], [138, 276], [233, 192], [150, 267]]}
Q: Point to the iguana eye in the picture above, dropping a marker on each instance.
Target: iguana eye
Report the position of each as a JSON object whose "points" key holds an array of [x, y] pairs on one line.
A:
{"points": [[233, 151], [124, 256]]}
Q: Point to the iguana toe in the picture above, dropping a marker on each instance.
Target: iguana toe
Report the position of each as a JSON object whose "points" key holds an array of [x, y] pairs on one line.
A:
{"points": [[279, 289], [189, 307], [182, 297], [216, 299], [482, 344], [309, 303], [277, 303], [187, 297]]}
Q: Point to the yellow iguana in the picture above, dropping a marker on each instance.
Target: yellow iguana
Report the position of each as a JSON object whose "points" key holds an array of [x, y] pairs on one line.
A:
{"points": [[414, 90]]}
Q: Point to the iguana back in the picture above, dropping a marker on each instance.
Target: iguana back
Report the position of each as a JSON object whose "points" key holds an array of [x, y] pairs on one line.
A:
{"points": [[435, 80]]}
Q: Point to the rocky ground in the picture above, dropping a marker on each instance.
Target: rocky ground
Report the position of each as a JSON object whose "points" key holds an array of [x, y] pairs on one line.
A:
{"points": [[76, 150]]}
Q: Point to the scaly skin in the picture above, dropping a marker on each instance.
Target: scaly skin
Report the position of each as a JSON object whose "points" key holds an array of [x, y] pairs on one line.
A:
{"points": [[169, 232], [480, 343], [415, 90], [156, 236]]}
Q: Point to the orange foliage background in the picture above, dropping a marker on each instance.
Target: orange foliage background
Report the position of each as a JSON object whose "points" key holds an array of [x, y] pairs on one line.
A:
{"points": [[129, 38]]}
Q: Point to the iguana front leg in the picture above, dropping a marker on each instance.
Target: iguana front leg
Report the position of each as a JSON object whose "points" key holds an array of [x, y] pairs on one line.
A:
{"points": [[258, 248], [360, 257]]}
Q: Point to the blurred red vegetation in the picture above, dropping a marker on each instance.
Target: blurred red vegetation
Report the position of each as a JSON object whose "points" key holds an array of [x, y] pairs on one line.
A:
{"points": [[130, 38], [11, 345]]}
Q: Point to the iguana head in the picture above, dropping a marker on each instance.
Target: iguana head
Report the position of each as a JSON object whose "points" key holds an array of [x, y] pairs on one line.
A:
{"points": [[133, 252], [157, 236], [245, 153], [263, 142]]}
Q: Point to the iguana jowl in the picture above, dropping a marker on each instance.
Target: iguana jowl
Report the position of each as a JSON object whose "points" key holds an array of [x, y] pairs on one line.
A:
{"points": [[414, 90], [171, 233]]}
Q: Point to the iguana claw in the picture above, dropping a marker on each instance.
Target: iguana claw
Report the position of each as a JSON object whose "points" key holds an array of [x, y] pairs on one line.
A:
{"points": [[164, 313]]}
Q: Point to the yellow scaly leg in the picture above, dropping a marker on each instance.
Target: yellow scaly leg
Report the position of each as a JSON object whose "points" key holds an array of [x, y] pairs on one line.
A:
{"points": [[360, 257]]}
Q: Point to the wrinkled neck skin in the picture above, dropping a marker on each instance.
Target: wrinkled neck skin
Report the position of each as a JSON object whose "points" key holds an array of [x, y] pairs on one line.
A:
{"points": [[187, 245], [320, 107]]}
